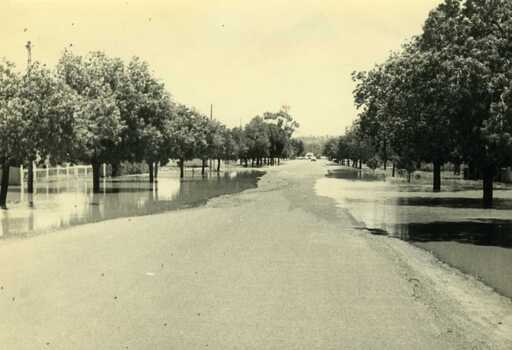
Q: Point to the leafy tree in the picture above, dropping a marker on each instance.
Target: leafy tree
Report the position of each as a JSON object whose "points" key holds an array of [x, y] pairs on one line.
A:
{"points": [[216, 141], [99, 126], [230, 147], [12, 125], [181, 136], [473, 38], [47, 106], [257, 139], [280, 130], [145, 106], [240, 142], [297, 146], [38, 119], [331, 148]]}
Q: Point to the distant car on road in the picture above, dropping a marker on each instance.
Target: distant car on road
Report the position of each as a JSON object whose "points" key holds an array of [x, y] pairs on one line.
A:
{"points": [[310, 155], [313, 159]]}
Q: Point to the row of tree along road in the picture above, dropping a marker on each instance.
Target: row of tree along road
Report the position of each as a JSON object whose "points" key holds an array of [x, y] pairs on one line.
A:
{"points": [[96, 109], [446, 96]]}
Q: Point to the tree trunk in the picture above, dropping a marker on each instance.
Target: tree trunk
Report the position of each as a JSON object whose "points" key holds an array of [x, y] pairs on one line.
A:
{"points": [[218, 165], [360, 164], [437, 176], [393, 170], [385, 154], [488, 177], [116, 169], [409, 176], [96, 177], [182, 168], [472, 172], [30, 177], [151, 172], [4, 186], [203, 167], [456, 169], [156, 171]]}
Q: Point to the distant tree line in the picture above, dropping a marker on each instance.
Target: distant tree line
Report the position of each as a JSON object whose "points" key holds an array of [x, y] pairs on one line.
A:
{"points": [[314, 144], [97, 109], [446, 96]]}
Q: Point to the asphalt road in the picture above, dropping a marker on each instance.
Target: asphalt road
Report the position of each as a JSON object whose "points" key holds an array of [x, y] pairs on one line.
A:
{"points": [[271, 268]]}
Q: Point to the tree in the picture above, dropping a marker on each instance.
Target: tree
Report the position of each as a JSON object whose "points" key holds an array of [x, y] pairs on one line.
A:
{"points": [[280, 130], [405, 109], [240, 142], [257, 138], [181, 136], [145, 106], [12, 125], [297, 146], [47, 106], [474, 40], [203, 135], [230, 147], [216, 141], [331, 148], [99, 126]]}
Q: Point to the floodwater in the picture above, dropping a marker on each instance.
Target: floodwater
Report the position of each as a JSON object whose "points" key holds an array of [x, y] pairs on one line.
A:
{"points": [[451, 224], [70, 201]]}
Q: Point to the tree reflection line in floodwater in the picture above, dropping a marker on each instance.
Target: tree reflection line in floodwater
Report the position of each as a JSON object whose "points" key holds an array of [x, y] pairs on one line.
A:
{"points": [[69, 203], [451, 225], [486, 231]]}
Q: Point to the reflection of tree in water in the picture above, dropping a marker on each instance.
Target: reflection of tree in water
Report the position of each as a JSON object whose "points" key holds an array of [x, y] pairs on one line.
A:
{"points": [[486, 232], [66, 204], [5, 224]]}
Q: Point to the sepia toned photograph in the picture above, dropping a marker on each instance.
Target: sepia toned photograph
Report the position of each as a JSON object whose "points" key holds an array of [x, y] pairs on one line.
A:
{"points": [[274, 174]]}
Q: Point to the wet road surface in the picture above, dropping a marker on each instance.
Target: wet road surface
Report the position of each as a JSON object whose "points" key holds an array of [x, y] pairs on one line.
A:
{"points": [[277, 267]]}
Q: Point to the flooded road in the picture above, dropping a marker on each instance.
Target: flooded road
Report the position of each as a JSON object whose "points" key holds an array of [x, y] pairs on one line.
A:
{"points": [[450, 224], [277, 267], [70, 201]]}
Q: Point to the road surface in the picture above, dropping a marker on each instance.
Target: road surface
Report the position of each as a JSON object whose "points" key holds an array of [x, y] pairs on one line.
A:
{"points": [[276, 267]]}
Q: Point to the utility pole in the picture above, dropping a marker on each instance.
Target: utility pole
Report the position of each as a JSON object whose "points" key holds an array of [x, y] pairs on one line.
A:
{"points": [[211, 118], [30, 168], [28, 46]]}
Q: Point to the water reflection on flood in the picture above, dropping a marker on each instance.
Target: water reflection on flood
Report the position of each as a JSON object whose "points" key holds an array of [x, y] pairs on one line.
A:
{"points": [[71, 202], [451, 224]]}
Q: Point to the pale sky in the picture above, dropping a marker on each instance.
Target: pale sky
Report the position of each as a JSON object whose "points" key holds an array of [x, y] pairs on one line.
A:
{"points": [[245, 57]]}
